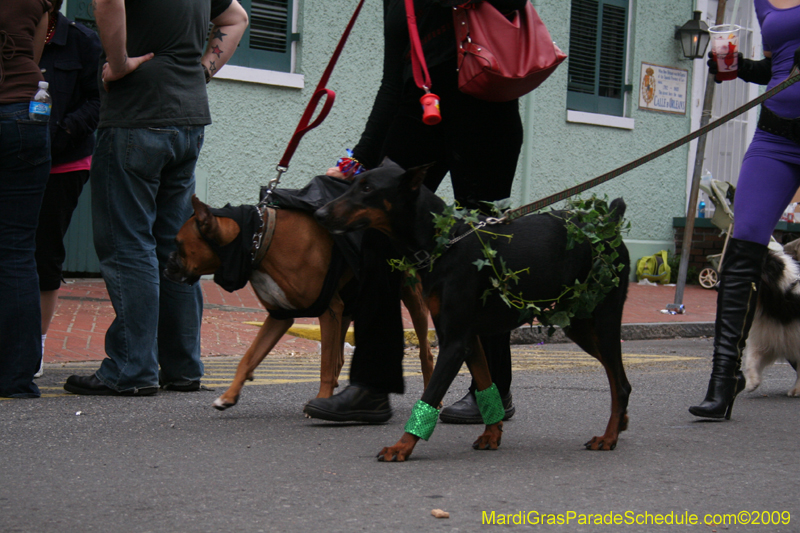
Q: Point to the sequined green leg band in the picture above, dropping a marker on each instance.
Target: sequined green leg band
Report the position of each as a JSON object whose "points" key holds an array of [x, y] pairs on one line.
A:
{"points": [[423, 420], [490, 405]]}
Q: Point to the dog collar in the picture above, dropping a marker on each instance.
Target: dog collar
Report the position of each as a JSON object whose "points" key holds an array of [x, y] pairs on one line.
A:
{"points": [[263, 237]]}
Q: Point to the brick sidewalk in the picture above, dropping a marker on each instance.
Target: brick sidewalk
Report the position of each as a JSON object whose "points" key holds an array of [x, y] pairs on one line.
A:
{"points": [[84, 313]]}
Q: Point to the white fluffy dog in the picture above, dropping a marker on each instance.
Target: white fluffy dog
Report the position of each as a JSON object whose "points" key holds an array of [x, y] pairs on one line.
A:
{"points": [[775, 333]]}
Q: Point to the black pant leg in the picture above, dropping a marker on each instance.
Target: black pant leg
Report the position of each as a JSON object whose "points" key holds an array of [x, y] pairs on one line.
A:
{"points": [[486, 139], [378, 358]]}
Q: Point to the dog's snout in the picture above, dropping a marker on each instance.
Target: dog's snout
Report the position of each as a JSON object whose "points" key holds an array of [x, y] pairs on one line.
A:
{"points": [[173, 270]]}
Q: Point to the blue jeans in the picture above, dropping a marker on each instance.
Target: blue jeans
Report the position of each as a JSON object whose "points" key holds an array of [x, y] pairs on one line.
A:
{"points": [[142, 182], [24, 168]]}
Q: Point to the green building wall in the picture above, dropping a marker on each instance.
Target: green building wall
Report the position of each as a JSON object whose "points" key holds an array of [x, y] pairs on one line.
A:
{"points": [[253, 122]]}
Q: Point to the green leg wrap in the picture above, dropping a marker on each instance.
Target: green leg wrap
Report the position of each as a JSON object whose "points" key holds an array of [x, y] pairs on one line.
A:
{"points": [[423, 420], [490, 405]]}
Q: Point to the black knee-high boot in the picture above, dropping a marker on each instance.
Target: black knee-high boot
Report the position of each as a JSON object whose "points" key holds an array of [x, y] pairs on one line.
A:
{"points": [[736, 305]]}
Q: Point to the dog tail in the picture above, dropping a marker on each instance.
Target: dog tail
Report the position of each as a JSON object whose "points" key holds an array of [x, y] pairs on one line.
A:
{"points": [[618, 207]]}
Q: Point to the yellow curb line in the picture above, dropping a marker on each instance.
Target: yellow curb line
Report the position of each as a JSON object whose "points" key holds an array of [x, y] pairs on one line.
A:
{"points": [[312, 332]]}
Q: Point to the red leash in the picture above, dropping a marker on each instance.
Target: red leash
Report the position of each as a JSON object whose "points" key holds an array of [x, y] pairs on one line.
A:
{"points": [[305, 124], [429, 101]]}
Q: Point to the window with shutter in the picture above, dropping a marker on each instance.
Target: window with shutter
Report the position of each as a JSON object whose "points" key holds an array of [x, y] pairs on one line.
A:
{"points": [[598, 40], [267, 43]]}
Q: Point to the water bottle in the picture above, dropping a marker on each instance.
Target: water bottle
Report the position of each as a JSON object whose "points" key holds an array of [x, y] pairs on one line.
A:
{"points": [[39, 108], [705, 178], [701, 210]]}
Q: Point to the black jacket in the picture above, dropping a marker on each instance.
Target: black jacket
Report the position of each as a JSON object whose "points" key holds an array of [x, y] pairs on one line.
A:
{"points": [[435, 26], [69, 64]]}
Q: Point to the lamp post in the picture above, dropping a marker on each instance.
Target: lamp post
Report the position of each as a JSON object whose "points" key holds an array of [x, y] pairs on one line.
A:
{"points": [[688, 230], [694, 37]]}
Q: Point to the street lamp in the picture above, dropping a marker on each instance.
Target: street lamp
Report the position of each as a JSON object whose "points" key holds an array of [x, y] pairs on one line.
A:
{"points": [[694, 37]]}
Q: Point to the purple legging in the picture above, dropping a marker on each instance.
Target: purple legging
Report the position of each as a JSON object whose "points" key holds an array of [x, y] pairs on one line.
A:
{"points": [[766, 186]]}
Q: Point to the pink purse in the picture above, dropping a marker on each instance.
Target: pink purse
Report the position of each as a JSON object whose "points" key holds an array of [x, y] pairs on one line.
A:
{"points": [[501, 59]]}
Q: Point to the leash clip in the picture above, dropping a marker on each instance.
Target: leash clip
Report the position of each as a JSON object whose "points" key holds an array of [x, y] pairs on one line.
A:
{"points": [[274, 182], [422, 258]]}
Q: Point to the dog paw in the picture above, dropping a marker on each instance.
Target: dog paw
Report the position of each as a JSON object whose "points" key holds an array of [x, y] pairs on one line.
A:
{"points": [[490, 439], [221, 404], [485, 443], [601, 443], [391, 454], [752, 380], [794, 393], [752, 384], [400, 451]]}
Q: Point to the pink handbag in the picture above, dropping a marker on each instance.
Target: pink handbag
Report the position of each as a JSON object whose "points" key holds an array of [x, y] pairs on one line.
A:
{"points": [[501, 59]]}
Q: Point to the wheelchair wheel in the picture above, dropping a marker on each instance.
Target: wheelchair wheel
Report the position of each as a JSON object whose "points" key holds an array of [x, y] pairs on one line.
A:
{"points": [[708, 278]]}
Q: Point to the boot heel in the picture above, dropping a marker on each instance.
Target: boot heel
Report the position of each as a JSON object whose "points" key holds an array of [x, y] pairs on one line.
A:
{"points": [[729, 410]]}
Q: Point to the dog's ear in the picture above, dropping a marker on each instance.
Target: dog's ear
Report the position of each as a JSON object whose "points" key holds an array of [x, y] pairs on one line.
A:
{"points": [[205, 219], [415, 177]]}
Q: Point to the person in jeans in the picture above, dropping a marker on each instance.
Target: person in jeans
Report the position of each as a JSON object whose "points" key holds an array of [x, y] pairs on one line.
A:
{"points": [[153, 111], [69, 65], [24, 167]]}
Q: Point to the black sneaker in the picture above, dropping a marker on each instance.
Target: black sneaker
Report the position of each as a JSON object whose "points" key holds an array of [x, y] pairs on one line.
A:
{"points": [[90, 385], [353, 404], [182, 386], [465, 410]]}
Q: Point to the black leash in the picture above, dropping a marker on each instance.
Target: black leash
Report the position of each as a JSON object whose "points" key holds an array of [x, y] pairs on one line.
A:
{"points": [[794, 76]]}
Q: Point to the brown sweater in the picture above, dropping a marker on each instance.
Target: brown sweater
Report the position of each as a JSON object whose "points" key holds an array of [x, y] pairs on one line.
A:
{"points": [[19, 74]]}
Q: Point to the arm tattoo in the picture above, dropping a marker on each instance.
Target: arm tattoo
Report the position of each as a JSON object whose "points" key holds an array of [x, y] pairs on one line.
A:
{"points": [[216, 50], [218, 34]]}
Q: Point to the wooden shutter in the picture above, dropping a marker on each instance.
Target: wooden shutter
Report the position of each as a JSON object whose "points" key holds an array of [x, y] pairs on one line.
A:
{"points": [[267, 42], [598, 38]]}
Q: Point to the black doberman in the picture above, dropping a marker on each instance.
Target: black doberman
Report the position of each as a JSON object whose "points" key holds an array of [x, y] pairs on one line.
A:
{"points": [[395, 202]]}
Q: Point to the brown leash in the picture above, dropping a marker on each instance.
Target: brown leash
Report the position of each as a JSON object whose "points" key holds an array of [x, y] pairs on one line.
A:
{"points": [[794, 76]]}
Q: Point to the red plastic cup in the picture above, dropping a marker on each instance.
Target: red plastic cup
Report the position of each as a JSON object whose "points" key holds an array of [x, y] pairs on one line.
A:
{"points": [[430, 109], [725, 49]]}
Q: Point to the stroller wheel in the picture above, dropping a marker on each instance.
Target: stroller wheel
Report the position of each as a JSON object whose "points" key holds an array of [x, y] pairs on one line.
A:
{"points": [[708, 278]]}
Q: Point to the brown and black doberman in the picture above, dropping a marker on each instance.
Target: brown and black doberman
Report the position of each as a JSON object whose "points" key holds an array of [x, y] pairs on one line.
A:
{"points": [[290, 275], [395, 202]]}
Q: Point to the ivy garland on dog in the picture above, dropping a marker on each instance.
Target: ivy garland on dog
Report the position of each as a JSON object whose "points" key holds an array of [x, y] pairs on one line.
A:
{"points": [[587, 220]]}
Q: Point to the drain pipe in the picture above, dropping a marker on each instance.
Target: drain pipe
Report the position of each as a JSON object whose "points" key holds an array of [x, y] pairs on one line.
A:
{"points": [[527, 149], [527, 141]]}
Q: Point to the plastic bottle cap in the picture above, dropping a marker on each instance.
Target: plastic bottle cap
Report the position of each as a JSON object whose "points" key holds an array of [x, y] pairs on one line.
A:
{"points": [[43, 85]]}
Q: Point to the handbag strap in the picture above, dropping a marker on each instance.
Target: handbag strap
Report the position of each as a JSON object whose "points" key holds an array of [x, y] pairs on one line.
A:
{"points": [[465, 45], [418, 65]]}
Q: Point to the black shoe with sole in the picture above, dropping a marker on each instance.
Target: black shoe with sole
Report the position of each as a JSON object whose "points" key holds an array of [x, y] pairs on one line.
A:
{"points": [[90, 385], [465, 410], [353, 404], [182, 386]]}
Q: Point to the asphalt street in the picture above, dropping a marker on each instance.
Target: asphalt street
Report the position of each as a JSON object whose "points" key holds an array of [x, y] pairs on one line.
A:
{"points": [[173, 463]]}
